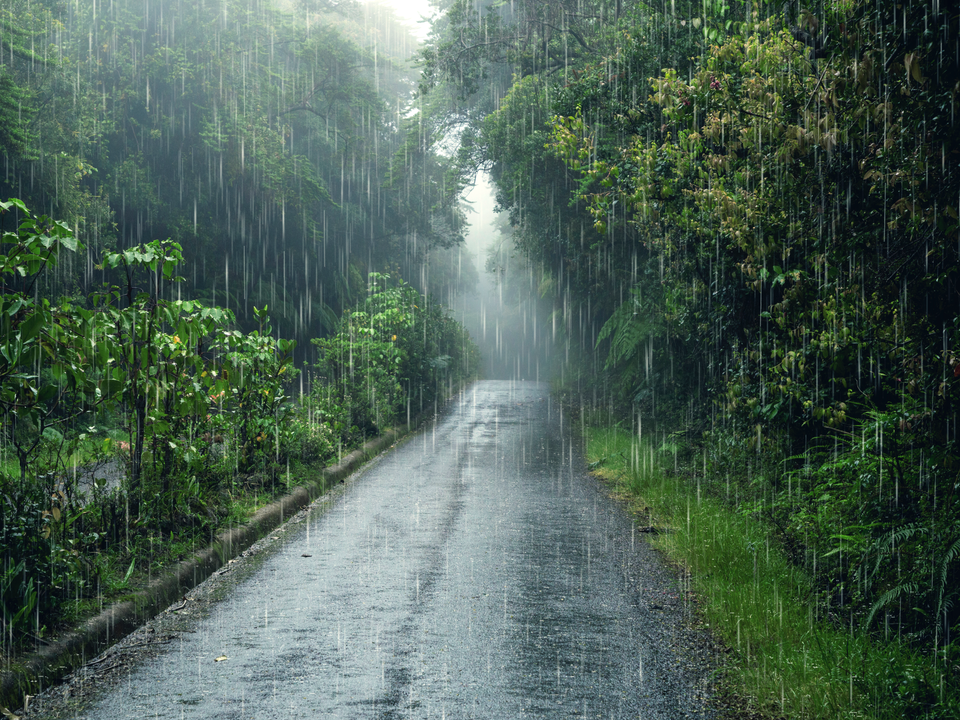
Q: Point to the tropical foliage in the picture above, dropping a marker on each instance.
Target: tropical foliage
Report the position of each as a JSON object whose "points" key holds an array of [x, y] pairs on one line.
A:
{"points": [[133, 419], [394, 356]]}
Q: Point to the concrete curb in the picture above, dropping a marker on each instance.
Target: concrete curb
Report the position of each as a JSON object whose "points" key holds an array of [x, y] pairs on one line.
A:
{"points": [[39, 670]]}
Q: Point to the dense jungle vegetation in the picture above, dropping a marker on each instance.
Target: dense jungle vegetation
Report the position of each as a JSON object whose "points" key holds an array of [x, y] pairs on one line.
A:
{"points": [[741, 221], [746, 217], [207, 213]]}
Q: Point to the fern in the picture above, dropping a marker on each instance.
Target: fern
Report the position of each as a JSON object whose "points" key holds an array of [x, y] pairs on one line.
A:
{"points": [[888, 597], [627, 329], [941, 596], [945, 594], [885, 545], [948, 557]]}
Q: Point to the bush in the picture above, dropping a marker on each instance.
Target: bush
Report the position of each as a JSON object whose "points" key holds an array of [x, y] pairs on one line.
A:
{"points": [[393, 356]]}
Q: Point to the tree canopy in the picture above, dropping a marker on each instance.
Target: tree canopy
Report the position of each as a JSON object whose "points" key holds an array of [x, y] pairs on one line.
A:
{"points": [[275, 145]]}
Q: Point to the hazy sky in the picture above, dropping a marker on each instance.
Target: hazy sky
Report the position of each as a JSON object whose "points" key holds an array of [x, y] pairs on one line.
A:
{"points": [[481, 232], [480, 196], [412, 11]]}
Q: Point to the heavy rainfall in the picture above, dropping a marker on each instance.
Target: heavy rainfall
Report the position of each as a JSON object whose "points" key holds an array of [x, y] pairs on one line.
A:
{"points": [[475, 358]]}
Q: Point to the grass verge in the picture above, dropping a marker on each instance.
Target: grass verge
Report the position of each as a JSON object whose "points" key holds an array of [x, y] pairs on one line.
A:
{"points": [[788, 655]]}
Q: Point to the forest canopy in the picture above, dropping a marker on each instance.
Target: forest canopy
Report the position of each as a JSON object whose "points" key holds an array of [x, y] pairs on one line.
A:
{"points": [[274, 139]]}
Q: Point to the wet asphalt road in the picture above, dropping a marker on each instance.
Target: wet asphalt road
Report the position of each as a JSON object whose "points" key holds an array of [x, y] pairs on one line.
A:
{"points": [[474, 571]]}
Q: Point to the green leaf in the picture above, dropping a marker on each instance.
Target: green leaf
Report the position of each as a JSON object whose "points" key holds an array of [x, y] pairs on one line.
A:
{"points": [[46, 393], [18, 302], [30, 327], [14, 202]]}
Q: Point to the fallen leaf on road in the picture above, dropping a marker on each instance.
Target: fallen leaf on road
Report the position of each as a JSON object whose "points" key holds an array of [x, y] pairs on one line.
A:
{"points": [[221, 658]]}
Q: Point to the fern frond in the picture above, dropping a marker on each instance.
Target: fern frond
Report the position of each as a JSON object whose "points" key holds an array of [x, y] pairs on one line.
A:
{"points": [[885, 545], [945, 595], [630, 325], [948, 557], [890, 596]]}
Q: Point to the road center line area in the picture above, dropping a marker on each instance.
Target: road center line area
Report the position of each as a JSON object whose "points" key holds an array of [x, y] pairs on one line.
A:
{"points": [[474, 571]]}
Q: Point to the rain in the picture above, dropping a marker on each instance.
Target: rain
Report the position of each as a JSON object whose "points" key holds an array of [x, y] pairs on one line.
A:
{"points": [[460, 358]]}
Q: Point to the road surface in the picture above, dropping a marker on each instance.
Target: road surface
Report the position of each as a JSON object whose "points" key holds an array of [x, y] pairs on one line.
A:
{"points": [[474, 571]]}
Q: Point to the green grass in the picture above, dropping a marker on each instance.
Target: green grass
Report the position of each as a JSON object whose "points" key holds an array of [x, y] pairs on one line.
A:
{"points": [[787, 654], [117, 579]]}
